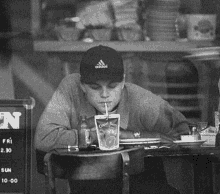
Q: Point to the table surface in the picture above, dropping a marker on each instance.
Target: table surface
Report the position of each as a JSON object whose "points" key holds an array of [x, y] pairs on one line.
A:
{"points": [[91, 153], [159, 152], [183, 151]]}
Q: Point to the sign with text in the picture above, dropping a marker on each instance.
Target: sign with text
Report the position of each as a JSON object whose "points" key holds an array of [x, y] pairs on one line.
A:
{"points": [[15, 146]]}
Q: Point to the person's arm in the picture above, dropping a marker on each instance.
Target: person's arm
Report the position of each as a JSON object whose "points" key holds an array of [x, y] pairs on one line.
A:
{"points": [[171, 122], [127, 134], [54, 129], [169, 125]]}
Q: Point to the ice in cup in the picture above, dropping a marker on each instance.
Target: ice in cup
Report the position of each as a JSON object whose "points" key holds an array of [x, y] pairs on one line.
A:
{"points": [[107, 128]]}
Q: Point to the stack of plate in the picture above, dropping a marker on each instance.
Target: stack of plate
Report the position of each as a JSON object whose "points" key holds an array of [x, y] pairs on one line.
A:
{"points": [[140, 141], [162, 20]]}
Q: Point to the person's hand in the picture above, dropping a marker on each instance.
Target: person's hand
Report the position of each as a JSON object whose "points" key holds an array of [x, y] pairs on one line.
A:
{"points": [[125, 134], [93, 136], [165, 139], [91, 122]]}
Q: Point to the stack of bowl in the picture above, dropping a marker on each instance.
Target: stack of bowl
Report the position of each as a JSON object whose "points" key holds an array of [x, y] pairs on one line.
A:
{"points": [[162, 20]]}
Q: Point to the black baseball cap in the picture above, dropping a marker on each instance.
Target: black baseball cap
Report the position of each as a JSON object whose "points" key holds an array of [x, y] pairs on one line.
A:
{"points": [[101, 63]]}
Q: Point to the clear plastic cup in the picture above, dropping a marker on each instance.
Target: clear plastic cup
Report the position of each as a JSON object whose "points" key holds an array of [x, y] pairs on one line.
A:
{"points": [[107, 128]]}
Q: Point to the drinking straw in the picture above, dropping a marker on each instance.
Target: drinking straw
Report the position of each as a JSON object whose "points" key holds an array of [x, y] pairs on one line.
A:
{"points": [[106, 109]]}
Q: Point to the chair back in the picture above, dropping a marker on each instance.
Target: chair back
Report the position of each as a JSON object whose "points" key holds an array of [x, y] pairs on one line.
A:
{"points": [[91, 166]]}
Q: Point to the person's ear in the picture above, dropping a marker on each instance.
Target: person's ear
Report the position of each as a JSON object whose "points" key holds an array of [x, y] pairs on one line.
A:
{"points": [[123, 82], [82, 86]]}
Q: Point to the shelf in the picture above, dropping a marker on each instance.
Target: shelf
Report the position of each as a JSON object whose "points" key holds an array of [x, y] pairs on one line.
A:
{"points": [[189, 109], [172, 85], [137, 46], [182, 96]]}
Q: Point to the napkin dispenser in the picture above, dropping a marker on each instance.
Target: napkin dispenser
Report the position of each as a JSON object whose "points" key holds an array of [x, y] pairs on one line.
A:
{"points": [[209, 135]]}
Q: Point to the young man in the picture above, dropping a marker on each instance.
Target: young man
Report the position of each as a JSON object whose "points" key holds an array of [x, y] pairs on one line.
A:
{"points": [[101, 80]]}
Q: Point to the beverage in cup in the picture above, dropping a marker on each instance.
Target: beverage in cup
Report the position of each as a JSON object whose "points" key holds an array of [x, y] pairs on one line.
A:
{"points": [[107, 127]]}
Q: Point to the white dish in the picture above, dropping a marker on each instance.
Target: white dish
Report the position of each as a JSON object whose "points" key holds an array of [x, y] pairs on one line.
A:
{"points": [[139, 143], [139, 140], [155, 147], [189, 144]]}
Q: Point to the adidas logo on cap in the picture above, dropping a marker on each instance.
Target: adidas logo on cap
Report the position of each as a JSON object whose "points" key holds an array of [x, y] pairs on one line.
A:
{"points": [[100, 65]]}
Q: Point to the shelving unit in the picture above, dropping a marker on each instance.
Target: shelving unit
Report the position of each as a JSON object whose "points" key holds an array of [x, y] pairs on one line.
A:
{"points": [[136, 46], [181, 46]]}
